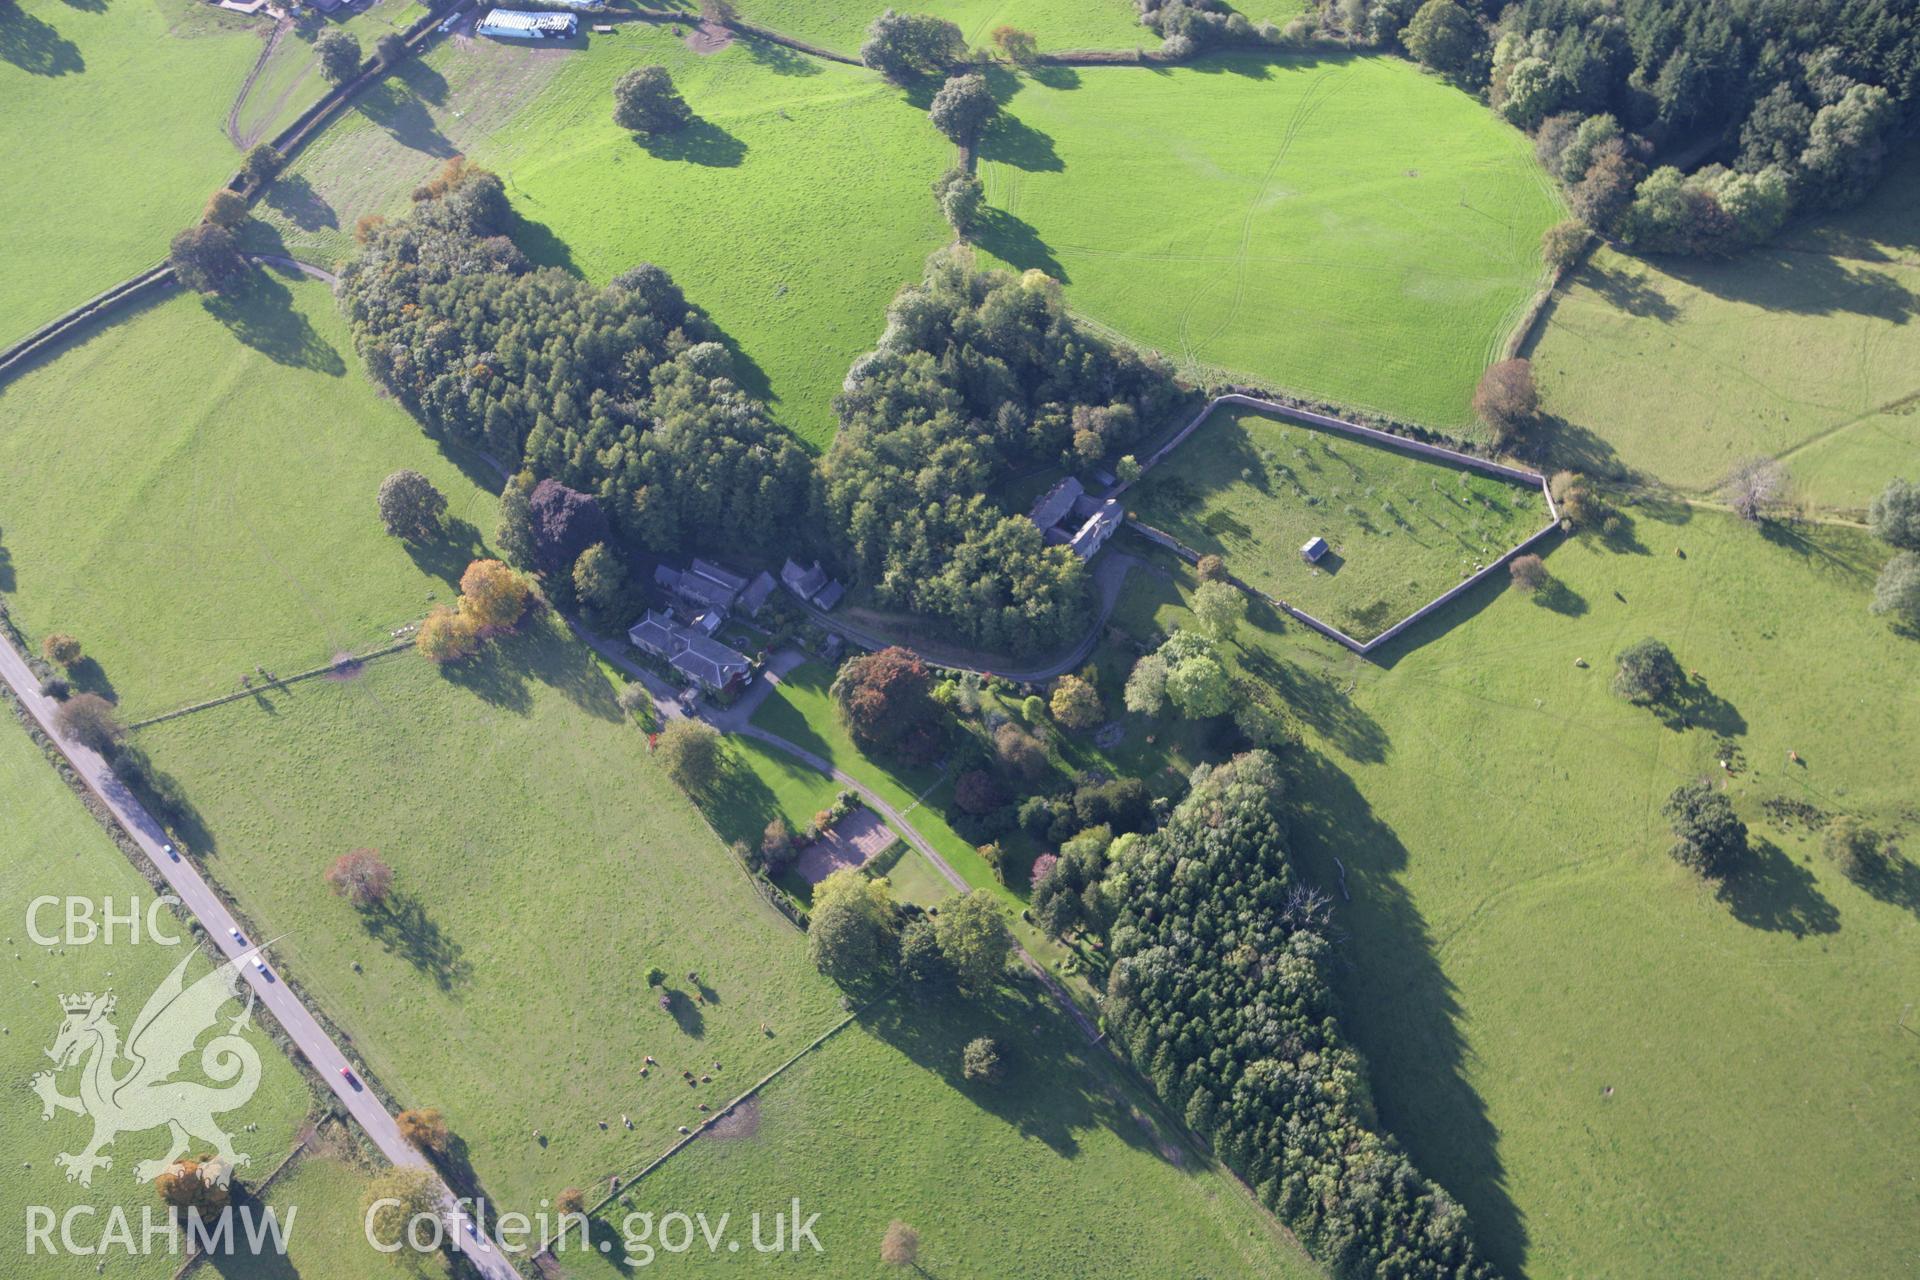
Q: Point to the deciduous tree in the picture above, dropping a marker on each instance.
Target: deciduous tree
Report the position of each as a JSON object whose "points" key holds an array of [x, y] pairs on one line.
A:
{"points": [[1019, 46], [1894, 516], [973, 937], [689, 750], [89, 720], [1711, 839], [1647, 673], [1505, 399], [645, 101], [339, 55], [362, 878], [1897, 593], [226, 208], [410, 507], [61, 649], [1219, 608], [963, 106], [1530, 574], [425, 1128], [494, 595], [1146, 692], [598, 577], [206, 258], [1076, 704], [850, 933], [886, 699], [980, 1061], [901, 46], [447, 635], [900, 1246], [397, 1198], [1443, 36]]}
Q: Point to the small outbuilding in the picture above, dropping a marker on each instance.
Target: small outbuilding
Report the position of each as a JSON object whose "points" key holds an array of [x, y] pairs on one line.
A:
{"points": [[1315, 548], [512, 24]]}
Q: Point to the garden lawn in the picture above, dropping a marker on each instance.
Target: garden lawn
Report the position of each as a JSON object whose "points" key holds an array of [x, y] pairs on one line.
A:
{"points": [[542, 865], [792, 211], [111, 116], [1348, 229], [1807, 351], [190, 491], [1402, 529], [1065, 1169], [1602, 1057], [51, 847]]}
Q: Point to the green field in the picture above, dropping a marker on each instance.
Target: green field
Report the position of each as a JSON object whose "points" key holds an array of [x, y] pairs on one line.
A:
{"points": [[111, 116], [1606, 1062], [1673, 371], [325, 1190], [1347, 229], [543, 864], [51, 846], [1401, 529], [289, 82], [217, 511], [1056, 24], [1064, 1170], [792, 239]]}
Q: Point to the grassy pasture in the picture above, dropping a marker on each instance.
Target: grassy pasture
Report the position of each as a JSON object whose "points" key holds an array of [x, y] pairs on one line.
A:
{"points": [[217, 511], [290, 81], [1344, 228], [51, 846], [1602, 1057], [111, 116], [542, 865], [792, 211], [1402, 529], [393, 136], [326, 1191], [1805, 351], [1056, 24], [1064, 1170]]}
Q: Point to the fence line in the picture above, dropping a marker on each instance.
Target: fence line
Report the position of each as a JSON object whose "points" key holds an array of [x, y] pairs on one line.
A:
{"points": [[274, 682]]}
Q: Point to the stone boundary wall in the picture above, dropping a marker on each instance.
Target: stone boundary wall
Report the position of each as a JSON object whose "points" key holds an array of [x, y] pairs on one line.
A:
{"points": [[1386, 439]]}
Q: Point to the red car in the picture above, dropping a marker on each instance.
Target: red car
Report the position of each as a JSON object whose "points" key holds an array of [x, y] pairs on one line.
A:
{"points": [[346, 1073]]}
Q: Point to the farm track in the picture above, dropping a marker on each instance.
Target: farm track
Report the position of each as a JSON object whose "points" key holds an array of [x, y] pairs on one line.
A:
{"points": [[274, 37]]}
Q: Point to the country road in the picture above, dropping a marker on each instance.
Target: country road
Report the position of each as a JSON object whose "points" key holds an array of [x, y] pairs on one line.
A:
{"points": [[185, 880]]}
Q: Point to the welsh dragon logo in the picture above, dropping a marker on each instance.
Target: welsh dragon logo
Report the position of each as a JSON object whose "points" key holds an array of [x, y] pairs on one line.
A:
{"points": [[132, 1088]]}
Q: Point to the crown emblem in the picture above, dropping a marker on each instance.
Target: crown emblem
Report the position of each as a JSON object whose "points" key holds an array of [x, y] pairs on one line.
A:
{"points": [[83, 1003]]}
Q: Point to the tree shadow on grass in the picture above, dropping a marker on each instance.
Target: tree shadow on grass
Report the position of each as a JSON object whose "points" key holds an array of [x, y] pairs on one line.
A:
{"points": [[1775, 893], [1054, 76], [1695, 706], [401, 925], [1010, 140], [1318, 701], [235, 1255], [1055, 1085], [35, 46], [447, 556], [777, 58], [1815, 284], [1558, 445], [738, 803], [700, 142], [294, 199], [1627, 292], [136, 777], [493, 678], [1561, 599], [1399, 1007], [1015, 242], [391, 105], [425, 82], [1862, 566], [1896, 882], [261, 314], [7, 579], [685, 1013], [88, 676]]}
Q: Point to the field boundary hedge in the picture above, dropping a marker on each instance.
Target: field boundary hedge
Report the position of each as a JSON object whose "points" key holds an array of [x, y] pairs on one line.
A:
{"points": [[1372, 435]]}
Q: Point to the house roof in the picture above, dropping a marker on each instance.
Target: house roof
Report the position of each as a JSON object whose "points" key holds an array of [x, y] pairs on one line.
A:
{"points": [[829, 596], [754, 598], [696, 655], [1100, 523], [1314, 548], [714, 573], [1056, 503], [803, 582], [521, 23]]}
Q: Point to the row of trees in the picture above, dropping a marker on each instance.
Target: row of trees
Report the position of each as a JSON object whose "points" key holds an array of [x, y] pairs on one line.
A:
{"points": [[1894, 518], [1219, 994], [857, 933], [622, 393], [979, 374], [1795, 103]]}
